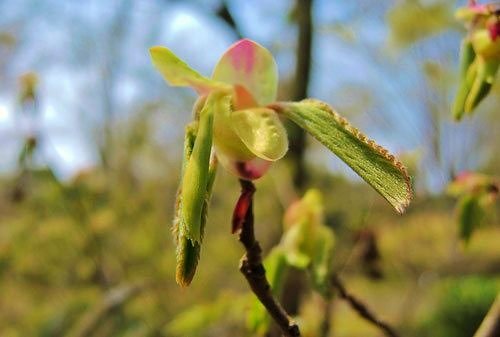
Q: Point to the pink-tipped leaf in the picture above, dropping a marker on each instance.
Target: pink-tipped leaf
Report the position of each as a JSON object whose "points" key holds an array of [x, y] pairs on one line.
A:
{"points": [[249, 64]]}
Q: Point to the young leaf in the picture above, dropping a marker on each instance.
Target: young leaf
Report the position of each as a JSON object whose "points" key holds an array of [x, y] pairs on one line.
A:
{"points": [[261, 131], [177, 73], [249, 64], [467, 75], [188, 251], [295, 245], [322, 259], [196, 175], [470, 215], [226, 141], [464, 89], [372, 162], [486, 71]]}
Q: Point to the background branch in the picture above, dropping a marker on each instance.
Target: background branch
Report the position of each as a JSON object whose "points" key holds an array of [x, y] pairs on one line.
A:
{"points": [[490, 327], [252, 268], [361, 308]]}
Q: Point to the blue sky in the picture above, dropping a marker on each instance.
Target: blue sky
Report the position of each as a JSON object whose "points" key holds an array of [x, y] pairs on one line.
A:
{"points": [[68, 44]]}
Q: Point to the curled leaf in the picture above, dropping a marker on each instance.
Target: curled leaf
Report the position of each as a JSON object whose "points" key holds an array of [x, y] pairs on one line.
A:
{"points": [[468, 73], [322, 259], [486, 71], [470, 216], [188, 251], [261, 131], [249, 64], [372, 162], [196, 177]]}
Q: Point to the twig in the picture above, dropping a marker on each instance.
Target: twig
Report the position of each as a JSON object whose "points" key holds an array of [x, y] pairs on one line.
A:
{"points": [[251, 264], [490, 327], [361, 308], [112, 302]]}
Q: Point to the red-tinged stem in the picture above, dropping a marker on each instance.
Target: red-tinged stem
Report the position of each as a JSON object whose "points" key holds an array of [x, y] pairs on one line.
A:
{"points": [[251, 264]]}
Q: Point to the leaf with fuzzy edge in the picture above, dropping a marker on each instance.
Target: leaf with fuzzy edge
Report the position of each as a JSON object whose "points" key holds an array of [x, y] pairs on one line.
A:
{"points": [[195, 179], [187, 250], [372, 162]]}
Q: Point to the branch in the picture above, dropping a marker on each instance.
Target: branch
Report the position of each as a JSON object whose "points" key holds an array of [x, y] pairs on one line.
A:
{"points": [[361, 308], [224, 13], [251, 263], [301, 83], [490, 327], [113, 301]]}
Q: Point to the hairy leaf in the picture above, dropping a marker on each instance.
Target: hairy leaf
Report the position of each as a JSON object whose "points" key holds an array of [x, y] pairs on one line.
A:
{"points": [[372, 162], [196, 175], [188, 251]]}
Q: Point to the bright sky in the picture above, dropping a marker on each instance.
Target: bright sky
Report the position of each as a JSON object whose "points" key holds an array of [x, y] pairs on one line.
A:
{"points": [[68, 46]]}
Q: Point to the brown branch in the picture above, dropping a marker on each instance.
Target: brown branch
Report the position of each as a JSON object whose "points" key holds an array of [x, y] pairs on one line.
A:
{"points": [[252, 268], [224, 13], [361, 308]]}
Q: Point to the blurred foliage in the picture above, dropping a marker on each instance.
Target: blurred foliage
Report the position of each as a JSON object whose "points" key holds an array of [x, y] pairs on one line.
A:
{"points": [[476, 195], [94, 256], [412, 20], [461, 307]]}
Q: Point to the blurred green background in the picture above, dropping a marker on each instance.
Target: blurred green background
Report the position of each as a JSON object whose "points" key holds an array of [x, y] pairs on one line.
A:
{"points": [[90, 162]]}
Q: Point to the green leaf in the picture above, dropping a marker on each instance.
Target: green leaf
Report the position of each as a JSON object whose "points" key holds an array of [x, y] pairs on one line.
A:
{"points": [[261, 131], [322, 259], [249, 64], [227, 143], [178, 73], [196, 175], [470, 215], [411, 21], [468, 72], [188, 251], [372, 162], [483, 82]]}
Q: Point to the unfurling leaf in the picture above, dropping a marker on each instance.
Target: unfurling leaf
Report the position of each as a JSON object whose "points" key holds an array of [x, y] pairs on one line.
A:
{"points": [[372, 162], [195, 179], [187, 250], [297, 244], [322, 260], [470, 215], [261, 131], [275, 265], [468, 69], [485, 76], [249, 64]]}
